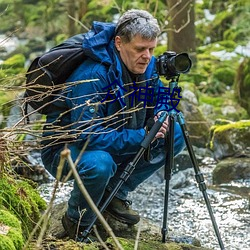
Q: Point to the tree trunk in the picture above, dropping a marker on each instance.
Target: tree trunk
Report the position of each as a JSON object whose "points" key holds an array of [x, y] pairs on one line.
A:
{"points": [[71, 6], [181, 27], [83, 7]]}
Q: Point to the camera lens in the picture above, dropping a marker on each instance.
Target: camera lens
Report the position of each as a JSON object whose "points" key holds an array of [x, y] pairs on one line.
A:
{"points": [[182, 63]]}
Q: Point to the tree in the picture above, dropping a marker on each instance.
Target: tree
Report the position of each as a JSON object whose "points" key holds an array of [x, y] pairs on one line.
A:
{"points": [[181, 27]]}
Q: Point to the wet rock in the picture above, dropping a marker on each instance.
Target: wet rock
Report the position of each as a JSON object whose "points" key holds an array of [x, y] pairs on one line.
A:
{"points": [[231, 169], [149, 233]]}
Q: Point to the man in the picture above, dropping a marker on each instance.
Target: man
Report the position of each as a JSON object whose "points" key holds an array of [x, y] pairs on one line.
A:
{"points": [[107, 117]]}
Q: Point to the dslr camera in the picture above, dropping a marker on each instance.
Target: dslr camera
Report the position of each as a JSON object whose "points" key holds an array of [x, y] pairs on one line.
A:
{"points": [[171, 65]]}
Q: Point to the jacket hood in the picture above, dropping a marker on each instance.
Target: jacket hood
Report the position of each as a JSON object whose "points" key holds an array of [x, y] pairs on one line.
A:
{"points": [[98, 42]]}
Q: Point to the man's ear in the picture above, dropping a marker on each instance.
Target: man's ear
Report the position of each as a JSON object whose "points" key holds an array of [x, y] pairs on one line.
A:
{"points": [[118, 42]]}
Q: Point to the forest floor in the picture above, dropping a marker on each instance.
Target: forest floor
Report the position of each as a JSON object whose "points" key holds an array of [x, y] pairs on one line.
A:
{"points": [[144, 236]]}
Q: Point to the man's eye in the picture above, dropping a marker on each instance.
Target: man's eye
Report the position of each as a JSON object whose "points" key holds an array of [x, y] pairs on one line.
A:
{"points": [[139, 50]]}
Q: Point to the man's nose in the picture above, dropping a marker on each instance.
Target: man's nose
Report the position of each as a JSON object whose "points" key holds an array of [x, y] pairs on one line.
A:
{"points": [[146, 54]]}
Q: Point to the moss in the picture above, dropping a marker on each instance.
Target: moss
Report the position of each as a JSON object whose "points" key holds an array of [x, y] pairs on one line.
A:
{"points": [[236, 125], [9, 219], [214, 101], [221, 132], [16, 61], [6, 243], [128, 244], [13, 239], [21, 199], [16, 237], [225, 75]]}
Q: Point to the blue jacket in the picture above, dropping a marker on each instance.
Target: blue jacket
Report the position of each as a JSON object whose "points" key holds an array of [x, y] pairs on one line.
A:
{"points": [[90, 118]]}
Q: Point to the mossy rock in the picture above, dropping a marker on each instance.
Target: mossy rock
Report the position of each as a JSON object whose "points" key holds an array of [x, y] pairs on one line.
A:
{"points": [[128, 244], [21, 199], [222, 106], [11, 237], [231, 139]]}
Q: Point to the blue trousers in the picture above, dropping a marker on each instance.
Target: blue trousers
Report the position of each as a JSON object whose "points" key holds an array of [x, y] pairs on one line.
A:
{"points": [[100, 170]]}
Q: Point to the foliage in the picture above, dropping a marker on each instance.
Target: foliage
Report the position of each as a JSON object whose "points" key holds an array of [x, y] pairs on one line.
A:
{"points": [[227, 21], [22, 200], [219, 104], [242, 84], [12, 239]]}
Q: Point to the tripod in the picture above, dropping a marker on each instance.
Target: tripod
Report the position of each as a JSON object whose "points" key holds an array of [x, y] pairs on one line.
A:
{"points": [[173, 85], [173, 114]]}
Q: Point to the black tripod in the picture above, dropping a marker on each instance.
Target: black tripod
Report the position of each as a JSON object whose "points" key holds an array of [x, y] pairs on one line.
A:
{"points": [[173, 86], [169, 163]]}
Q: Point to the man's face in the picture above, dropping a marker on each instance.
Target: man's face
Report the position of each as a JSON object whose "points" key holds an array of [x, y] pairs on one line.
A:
{"points": [[137, 53]]}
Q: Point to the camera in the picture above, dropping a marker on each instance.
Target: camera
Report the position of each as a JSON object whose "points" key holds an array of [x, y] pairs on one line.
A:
{"points": [[171, 65]]}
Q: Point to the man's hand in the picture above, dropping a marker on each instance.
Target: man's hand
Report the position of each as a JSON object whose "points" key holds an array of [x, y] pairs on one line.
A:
{"points": [[164, 128]]}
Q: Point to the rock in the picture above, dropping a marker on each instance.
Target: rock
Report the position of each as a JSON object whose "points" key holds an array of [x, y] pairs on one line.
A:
{"points": [[149, 237], [196, 124], [231, 169], [232, 139], [181, 179]]}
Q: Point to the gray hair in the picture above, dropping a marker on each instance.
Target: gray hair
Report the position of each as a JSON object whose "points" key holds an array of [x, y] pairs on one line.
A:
{"points": [[137, 22]]}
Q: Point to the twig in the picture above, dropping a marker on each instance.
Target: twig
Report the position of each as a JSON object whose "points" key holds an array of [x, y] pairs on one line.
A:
{"points": [[77, 21], [99, 238], [66, 154], [137, 236]]}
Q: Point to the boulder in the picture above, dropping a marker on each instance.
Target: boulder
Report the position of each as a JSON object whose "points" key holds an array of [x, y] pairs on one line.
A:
{"points": [[149, 238], [231, 169], [196, 124], [230, 139]]}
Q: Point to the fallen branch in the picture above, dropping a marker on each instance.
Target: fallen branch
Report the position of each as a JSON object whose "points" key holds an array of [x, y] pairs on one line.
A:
{"points": [[65, 154]]}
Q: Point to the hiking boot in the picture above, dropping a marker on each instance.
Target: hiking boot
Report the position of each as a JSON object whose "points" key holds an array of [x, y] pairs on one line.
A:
{"points": [[75, 231], [121, 211]]}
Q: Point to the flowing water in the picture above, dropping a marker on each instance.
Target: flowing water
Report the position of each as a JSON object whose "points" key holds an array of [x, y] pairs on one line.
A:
{"points": [[187, 212]]}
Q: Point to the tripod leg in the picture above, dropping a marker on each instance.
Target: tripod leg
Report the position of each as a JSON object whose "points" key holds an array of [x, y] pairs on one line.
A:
{"points": [[168, 173], [199, 177], [129, 168]]}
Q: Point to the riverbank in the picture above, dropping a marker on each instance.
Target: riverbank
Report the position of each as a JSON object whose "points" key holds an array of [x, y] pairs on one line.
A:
{"points": [[188, 216]]}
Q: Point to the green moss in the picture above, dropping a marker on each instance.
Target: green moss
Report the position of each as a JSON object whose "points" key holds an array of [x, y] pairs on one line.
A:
{"points": [[6, 243], [128, 244], [16, 61], [21, 199], [239, 128], [236, 125], [9, 219], [13, 239], [212, 100], [225, 75], [16, 237]]}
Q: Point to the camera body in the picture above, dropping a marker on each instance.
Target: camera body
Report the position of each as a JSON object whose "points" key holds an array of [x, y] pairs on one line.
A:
{"points": [[171, 65]]}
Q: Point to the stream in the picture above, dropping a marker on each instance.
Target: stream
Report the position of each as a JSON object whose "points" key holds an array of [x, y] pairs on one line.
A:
{"points": [[187, 212]]}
